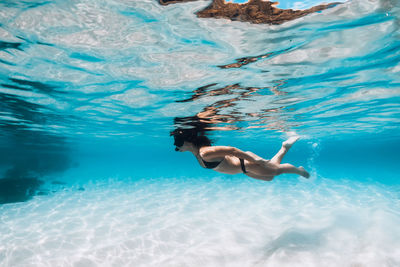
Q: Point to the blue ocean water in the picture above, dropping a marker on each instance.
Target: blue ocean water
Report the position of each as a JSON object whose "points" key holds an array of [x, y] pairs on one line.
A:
{"points": [[90, 91]]}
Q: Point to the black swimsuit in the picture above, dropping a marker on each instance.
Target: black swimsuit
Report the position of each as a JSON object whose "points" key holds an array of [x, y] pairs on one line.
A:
{"points": [[211, 164], [214, 164], [242, 165]]}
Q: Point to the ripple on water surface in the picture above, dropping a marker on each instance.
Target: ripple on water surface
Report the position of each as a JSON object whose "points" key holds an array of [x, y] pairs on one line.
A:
{"points": [[102, 69]]}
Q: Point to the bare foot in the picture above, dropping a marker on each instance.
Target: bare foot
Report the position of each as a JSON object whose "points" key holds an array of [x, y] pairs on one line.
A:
{"points": [[288, 143], [304, 173]]}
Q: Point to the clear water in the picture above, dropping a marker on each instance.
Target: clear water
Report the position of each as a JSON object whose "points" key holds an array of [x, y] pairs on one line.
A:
{"points": [[90, 91]]}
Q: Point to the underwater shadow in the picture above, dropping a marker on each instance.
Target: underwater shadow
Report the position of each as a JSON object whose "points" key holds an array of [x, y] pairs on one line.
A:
{"points": [[293, 240], [29, 152]]}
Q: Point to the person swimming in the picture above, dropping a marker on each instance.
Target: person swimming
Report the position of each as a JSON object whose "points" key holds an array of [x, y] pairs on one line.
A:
{"points": [[231, 160]]}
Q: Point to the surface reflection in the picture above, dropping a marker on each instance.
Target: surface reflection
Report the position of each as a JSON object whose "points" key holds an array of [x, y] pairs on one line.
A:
{"points": [[251, 59], [226, 114]]}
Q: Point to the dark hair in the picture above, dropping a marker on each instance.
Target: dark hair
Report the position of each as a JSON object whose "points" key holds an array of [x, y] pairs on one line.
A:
{"points": [[191, 136]]}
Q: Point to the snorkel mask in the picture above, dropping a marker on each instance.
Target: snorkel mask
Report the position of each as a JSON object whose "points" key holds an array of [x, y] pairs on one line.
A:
{"points": [[178, 142]]}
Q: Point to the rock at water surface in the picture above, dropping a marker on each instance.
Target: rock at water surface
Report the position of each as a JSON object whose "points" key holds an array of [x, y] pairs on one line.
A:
{"points": [[254, 11]]}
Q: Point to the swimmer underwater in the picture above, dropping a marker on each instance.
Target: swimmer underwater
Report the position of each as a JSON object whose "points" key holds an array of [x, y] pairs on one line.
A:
{"points": [[231, 160]]}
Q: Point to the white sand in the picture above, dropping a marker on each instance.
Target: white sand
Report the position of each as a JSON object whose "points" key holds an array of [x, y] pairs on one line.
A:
{"points": [[218, 222]]}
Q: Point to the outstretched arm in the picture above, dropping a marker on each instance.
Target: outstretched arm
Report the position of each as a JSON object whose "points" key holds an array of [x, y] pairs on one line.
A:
{"points": [[217, 152]]}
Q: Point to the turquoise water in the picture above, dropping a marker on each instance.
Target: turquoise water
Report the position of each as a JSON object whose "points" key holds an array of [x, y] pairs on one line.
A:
{"points": [[90, 91]]}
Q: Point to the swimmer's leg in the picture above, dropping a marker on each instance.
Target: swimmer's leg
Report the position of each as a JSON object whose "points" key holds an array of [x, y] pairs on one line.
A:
{"points": [[267, 173], [289, 168], [260, 177], [284, 149]]}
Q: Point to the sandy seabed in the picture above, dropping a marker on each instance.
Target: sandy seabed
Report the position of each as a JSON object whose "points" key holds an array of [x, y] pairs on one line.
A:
{"points": [[205, 222]]}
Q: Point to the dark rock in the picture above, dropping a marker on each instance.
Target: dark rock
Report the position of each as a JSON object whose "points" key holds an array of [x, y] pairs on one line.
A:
{"points": [[18, 189], [247, 60], [244, 61], [254, 11]]}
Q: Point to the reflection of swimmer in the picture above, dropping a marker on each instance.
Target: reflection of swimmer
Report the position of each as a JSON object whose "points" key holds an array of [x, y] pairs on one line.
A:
{"points": [[231, 160]]}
